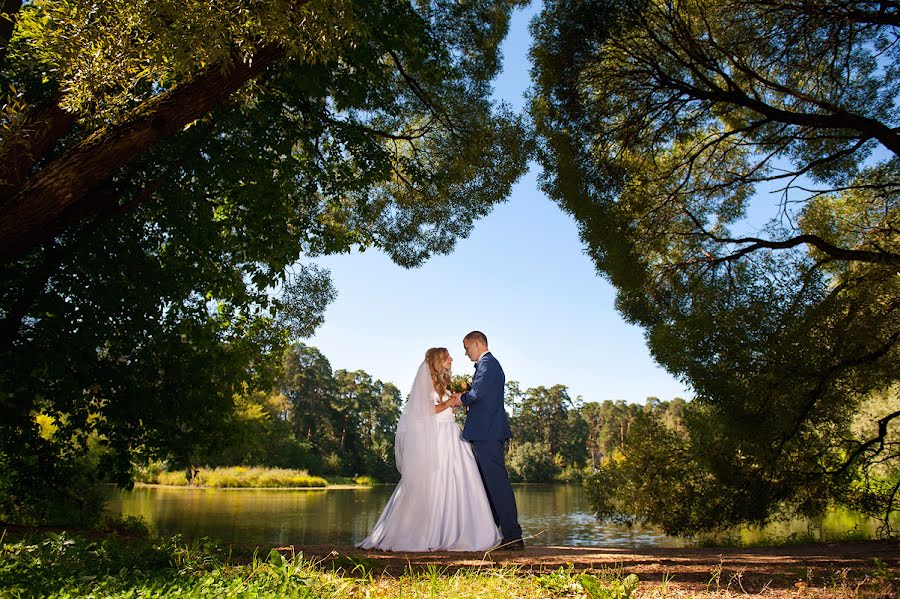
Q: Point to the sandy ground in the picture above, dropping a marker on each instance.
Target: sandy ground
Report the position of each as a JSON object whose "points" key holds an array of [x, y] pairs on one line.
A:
{"points": [[865, 568]]}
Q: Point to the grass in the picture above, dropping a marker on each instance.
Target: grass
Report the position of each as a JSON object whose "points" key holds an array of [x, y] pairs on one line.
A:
{"points": [[239, 477], [132, 564], [59, 565]]}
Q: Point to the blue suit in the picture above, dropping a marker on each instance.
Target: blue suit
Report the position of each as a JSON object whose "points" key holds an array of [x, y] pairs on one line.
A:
{"points": [[487, 427]]}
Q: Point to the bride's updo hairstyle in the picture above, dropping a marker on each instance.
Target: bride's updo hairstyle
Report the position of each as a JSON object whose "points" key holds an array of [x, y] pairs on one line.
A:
{"points": [[440, 376]]}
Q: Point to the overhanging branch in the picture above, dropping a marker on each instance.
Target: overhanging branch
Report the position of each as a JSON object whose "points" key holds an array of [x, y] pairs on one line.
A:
{"points": [[26, 217]]}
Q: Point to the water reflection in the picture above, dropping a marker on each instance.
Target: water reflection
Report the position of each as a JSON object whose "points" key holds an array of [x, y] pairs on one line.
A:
{"points": [[549, 514], [560, 515]]}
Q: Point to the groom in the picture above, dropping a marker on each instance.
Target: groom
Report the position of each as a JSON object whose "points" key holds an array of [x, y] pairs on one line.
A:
{"points": [[487, 428]]}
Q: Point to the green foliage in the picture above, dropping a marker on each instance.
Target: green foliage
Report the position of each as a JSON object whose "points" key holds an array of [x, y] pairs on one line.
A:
{"points": [[557, 438], [543, 416], [531, 462], [619, 589], [657, 132], [129, 526], [37, 487], [258, 433], [650, 478], [347, 418], [549, 434], [155, 259], [605, 583]]}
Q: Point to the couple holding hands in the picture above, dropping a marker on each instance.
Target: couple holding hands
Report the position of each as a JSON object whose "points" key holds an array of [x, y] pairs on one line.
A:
{"points": [[454, 492]]}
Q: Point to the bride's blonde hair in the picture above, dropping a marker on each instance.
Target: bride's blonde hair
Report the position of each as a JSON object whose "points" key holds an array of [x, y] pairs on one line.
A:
{"points": [[440, 376]]}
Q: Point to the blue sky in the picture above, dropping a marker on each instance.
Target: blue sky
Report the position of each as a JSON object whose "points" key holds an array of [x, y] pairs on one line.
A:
{"points": [[522, 277]]}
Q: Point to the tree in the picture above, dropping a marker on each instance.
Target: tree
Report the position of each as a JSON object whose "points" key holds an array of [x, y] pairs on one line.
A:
{"points": [[531, 462], [543, 416], [346, 417], [658, 131], [166, 168], [356, 399], [380, 427], [255, 434], [310, 388]]}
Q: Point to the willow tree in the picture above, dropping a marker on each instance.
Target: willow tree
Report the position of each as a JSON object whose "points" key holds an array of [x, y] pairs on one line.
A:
{"points": [[167, 170], [734, 168]]}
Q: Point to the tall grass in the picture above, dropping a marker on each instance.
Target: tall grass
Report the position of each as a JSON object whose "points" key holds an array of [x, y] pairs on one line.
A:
{"points": [[239, 477]]}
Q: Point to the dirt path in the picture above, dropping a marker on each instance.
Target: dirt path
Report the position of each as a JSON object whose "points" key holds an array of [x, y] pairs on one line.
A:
{"points": [[797, 570]]}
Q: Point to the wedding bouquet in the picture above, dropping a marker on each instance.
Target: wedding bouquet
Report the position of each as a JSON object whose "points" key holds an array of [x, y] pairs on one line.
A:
{"points": [[460, 383]]}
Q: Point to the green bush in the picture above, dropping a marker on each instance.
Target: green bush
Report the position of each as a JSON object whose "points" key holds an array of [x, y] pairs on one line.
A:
{"points": [[42, 485], [572, 474], [531, 462]]}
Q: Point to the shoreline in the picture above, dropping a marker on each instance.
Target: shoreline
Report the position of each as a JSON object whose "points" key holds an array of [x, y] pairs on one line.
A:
{"points": [[340, 487]]}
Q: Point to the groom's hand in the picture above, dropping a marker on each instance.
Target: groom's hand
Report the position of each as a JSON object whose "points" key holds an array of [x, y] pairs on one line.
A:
{"points": [[455, 400]]}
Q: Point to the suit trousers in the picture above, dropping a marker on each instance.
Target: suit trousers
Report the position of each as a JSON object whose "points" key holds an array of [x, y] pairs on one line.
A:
{"points": [[489, 455]]}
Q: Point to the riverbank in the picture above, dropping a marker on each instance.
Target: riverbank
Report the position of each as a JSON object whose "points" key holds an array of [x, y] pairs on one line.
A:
{"points": [[42, 563]]}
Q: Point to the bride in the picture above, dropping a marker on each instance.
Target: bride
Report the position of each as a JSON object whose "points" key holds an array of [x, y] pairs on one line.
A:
{"points": [[440, 502]]}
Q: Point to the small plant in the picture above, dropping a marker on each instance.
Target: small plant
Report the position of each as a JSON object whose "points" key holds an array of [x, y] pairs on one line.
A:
{"points": [[134, 526]]}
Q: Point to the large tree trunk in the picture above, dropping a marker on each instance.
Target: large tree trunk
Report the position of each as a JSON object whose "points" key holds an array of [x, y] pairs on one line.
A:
{"points": [[28, 216]]}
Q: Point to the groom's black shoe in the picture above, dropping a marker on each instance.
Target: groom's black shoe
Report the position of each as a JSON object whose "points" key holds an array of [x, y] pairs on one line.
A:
{"points": [[510, 545]]}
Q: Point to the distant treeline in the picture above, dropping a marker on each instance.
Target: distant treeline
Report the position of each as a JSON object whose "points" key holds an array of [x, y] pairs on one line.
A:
{"points": [[342, 423]]}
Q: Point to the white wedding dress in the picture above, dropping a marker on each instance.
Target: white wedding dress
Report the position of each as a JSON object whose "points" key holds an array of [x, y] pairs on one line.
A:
{"points": [[441, 506]]}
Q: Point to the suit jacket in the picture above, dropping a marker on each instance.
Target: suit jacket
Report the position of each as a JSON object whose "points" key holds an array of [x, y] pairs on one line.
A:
{"points": [[486, 420]]}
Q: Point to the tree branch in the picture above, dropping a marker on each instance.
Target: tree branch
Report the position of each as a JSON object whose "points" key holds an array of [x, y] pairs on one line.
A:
{"points": [[27, 215], [42, 128], [879, 439], [440, 115], [841, 119], [54, 254], [833, 251], [882, 12]]}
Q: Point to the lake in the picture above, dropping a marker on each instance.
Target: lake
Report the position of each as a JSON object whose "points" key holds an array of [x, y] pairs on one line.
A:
{"points": [[549, 515]]}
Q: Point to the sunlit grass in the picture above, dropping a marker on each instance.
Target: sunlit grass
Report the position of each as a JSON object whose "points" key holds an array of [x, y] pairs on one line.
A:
{"points": [[240, 477], [57, 565]]}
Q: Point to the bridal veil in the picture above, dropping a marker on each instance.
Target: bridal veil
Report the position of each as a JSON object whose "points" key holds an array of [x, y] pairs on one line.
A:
{"points": [[415, 448]]}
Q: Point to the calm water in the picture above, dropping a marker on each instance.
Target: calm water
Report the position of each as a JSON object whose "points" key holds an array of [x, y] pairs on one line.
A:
{"points": [[550, 514]]}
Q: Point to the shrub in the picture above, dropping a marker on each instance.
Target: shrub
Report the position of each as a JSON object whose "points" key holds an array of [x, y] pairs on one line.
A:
{"points": [[44, 486], [531, 462]]}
